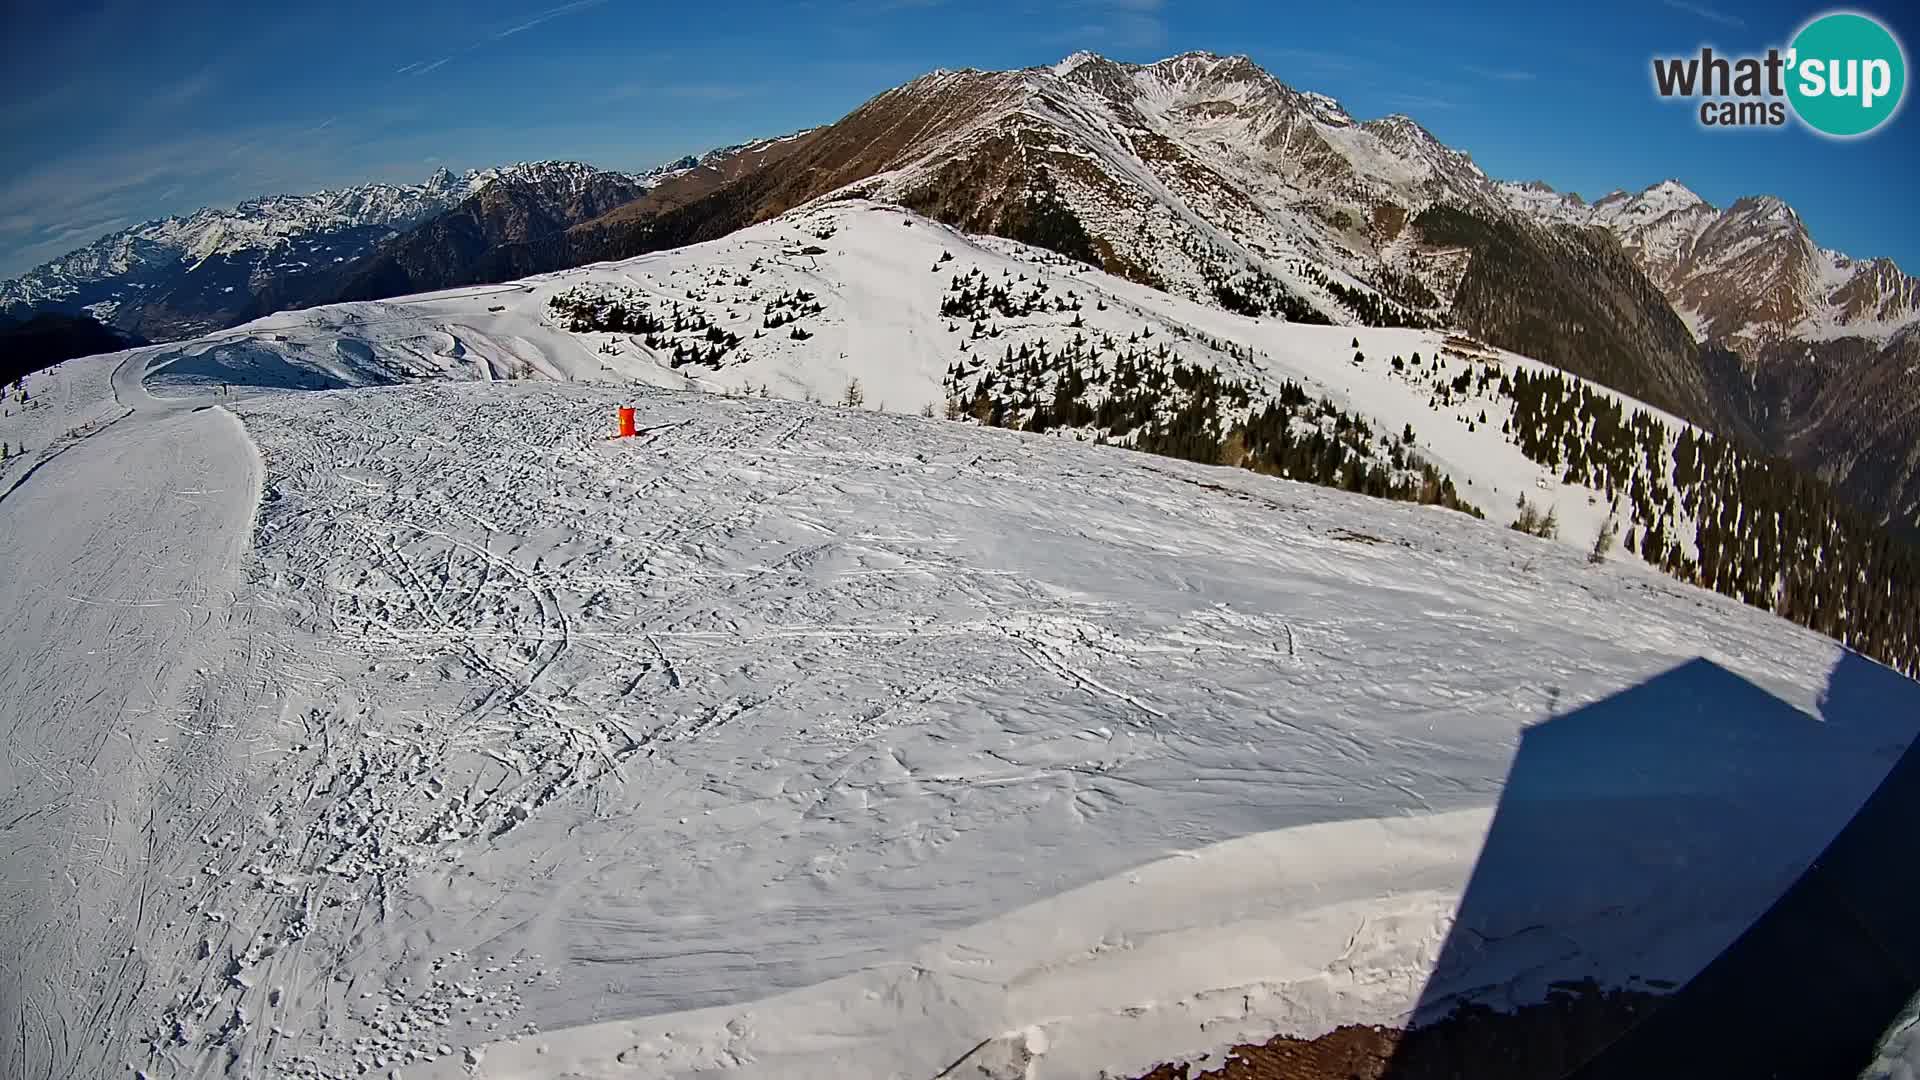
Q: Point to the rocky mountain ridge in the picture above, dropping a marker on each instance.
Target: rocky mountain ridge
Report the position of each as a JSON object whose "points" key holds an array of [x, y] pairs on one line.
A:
{"points": [[186, 274], [1206, 176]]}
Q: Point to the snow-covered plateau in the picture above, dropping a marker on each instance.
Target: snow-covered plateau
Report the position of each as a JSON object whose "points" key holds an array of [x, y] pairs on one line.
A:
{"points": [[367, 710]]}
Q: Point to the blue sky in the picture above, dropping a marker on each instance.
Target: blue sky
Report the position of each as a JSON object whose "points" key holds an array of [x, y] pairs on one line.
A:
{"points": [[115, 112]]}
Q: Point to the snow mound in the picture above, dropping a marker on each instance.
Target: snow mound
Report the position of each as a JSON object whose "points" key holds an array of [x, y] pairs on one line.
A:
{"points": [[255, 366]]}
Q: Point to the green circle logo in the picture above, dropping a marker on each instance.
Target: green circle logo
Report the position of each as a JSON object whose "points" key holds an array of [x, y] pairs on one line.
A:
{"points": [[1848, 74]]}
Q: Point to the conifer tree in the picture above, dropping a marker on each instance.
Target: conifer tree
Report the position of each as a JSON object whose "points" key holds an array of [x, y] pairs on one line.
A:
{"points": [[1603, 540]]}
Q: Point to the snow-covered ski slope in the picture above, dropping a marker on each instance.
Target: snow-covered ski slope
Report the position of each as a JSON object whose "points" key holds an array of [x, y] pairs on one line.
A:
{"points": [[879, 275], [424, 729]]}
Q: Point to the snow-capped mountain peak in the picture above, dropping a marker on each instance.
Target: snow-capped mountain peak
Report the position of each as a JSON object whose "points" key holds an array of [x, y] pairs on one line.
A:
{"points": [[1770, 209], [1672, 193], [1327, 109], [1620, 210], [563, 176], [1073, 63], [330, 224], [229, 251], [1749, 275]]}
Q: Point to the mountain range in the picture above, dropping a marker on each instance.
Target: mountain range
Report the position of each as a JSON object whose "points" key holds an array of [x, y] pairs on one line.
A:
{"points": [[178, 276], [1201, 175]]}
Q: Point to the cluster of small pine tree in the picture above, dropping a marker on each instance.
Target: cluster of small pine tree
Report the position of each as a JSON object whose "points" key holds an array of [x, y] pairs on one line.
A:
{"points": [[972, 295], [621, 311], [1534, 522], [1779, 539], [1146, 398], [685, 333], [1245, 289], [1260, 294], [790, 307], [1372, 309], [1301, 438], [1742, 524]]}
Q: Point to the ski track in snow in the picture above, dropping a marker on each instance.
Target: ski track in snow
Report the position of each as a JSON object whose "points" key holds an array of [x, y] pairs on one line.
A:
{"points": [[881, 284], [782, 739], [123, 750]]}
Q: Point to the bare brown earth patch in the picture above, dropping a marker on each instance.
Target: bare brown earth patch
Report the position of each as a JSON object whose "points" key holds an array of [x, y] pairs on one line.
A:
{"points": [[1546, 1041], [1389, 219]]}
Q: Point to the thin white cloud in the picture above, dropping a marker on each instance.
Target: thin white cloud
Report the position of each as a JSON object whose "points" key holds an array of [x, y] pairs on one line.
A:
{"points": [[70, 231], [1420, 101], [1502, 74], [1707, 13], [1117, 26], [185, 91], [427, 67], [712, 91], [57, 205], [1316, 61], [94, 185], [716, 91], [551, 13]]}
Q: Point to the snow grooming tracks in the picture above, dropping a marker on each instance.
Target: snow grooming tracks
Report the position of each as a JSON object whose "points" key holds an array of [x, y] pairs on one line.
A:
{"points": [[807, 720], [128, 690], [763, 700]]}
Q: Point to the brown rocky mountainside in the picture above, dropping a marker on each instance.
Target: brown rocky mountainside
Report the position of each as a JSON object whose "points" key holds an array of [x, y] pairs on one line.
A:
{"points": [[1846, 409], [1745, 277], [1807, 350], [1206, 176], [462, 246]]}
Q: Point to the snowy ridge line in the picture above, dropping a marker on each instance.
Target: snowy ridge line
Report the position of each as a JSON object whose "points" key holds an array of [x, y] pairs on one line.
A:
{"points": [[268, 220], [885, 307], [728, 316], [1206, 151], [1749, 274]]}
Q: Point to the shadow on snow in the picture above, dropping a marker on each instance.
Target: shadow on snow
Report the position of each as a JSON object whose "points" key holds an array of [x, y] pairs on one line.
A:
{"points": [[1698, 879]]}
